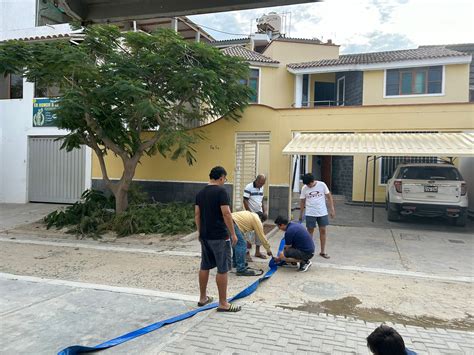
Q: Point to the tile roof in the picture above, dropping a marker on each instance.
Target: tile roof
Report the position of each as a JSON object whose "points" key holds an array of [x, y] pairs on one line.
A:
{"points": [[381, 57], [248, 55]]}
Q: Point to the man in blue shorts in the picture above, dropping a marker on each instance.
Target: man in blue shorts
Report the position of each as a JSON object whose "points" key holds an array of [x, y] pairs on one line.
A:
{"points": [[299, 245], [214, 224], [314, 195]]}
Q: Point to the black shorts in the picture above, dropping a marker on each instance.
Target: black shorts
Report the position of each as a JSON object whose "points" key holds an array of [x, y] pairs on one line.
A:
{"points": [[216, 253], [297, 254]]}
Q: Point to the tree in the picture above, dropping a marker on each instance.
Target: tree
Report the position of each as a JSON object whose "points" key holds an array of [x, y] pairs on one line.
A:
{"points": [[132, 93]]}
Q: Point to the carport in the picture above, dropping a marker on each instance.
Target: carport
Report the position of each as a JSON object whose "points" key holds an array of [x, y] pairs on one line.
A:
{"points": [[377, 145]]}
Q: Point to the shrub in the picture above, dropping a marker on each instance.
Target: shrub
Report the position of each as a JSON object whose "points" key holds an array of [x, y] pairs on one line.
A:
{"points": [[94, 215]]}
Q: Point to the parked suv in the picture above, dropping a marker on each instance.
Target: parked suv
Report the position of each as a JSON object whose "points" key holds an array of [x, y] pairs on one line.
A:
{"points": [[431, 190]]}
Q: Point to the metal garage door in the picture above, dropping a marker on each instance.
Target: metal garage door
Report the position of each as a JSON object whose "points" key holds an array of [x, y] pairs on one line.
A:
{"points": [[54, 175]]}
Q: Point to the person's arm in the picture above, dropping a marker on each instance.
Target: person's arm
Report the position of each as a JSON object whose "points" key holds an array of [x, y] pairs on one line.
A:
{"points": [[302, 207], [197, 220], [246, 204], [229, 222], [258, 228], [332, 210]]}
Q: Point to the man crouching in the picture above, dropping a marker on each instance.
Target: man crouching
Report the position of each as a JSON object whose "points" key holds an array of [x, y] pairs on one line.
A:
{"points": [[299, 245]]}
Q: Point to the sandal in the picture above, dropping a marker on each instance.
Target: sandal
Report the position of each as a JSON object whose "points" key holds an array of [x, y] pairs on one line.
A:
{"points": [[261, 256], [324, 255], [233, 308], [209, 300]]}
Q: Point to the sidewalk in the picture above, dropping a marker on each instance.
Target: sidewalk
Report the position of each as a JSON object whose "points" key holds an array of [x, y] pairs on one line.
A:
{"points": [[55, 316]]}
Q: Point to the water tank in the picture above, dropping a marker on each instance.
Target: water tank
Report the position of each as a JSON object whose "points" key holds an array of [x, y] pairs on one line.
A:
{"points": [[269, 23]]}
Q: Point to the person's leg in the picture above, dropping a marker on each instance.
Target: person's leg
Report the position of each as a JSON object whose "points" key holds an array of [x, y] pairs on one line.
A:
{"points": [[221, 281], [239, 250], [322, 239], [310, 224], [203, 280], [222, 252], [323, 222], [258, 244]]}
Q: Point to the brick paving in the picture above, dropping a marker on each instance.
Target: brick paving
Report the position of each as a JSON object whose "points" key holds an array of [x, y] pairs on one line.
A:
{"points": [[262, 329]]}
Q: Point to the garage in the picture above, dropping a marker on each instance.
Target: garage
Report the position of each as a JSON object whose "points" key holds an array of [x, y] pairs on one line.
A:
{"points": [[373, 146], [55, 175]]}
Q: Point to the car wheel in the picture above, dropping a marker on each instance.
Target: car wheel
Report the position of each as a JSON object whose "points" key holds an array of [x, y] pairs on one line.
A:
{"points": [[393, 216], [460, 221]]}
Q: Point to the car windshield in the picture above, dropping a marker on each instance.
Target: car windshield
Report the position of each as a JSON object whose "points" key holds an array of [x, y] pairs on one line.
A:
{"points": [[429, 173]]}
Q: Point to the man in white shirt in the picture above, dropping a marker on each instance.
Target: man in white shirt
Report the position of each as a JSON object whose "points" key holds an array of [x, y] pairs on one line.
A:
{"points": [[253, 202], [313, 198]]}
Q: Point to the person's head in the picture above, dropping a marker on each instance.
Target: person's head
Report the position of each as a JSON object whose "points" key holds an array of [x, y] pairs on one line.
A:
{"points": [[385, 340], [260, 180], [308, 179], [218, 174], [262, 216], [281, 223]]}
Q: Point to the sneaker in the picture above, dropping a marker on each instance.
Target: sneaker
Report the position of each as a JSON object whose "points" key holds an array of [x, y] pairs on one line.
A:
{"points": [[304, 266]]}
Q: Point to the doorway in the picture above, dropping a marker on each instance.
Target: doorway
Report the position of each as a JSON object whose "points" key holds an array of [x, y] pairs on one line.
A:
{"points": [[324, 93]]}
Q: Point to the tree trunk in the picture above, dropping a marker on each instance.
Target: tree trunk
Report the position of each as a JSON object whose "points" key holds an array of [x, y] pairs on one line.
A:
{"points": [[121, 198]]}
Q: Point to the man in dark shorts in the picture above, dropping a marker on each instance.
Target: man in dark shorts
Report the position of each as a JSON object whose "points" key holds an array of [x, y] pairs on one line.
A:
{"points": [[299, 245], [214, 224]]}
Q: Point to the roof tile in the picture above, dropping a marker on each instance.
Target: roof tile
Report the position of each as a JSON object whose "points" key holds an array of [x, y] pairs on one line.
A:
{"points": [[381, 57], [248, 55]]}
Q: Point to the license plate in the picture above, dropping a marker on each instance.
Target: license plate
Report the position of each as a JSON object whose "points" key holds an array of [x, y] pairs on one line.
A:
{"points": [[431, 188]]}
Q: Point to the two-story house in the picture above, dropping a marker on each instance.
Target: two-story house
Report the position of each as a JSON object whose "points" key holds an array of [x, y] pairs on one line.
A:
{"points": [[331, 111]]}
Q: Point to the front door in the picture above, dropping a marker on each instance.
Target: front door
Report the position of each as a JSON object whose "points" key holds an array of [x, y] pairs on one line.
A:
{"points": [[326, 170]]}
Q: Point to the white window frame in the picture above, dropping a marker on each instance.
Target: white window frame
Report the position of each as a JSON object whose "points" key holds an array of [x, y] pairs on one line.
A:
{"points": [[343, 92], [442, 93], [259, 83]]}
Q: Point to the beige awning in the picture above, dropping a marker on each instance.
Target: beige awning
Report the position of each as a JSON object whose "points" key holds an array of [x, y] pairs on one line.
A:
{"points": [[383, 144]]}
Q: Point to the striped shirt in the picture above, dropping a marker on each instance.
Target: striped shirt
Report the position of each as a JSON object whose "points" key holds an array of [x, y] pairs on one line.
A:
{"points": [[248, 221], [254, 197]]}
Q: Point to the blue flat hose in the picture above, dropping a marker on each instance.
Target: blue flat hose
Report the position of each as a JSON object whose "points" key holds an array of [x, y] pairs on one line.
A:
{"points": [[78, 349]]}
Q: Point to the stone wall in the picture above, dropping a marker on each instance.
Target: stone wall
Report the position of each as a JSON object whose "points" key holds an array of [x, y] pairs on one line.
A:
{"points": [[342, 175]]}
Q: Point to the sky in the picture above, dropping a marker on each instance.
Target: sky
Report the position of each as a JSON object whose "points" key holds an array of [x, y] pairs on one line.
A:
{"points": [[360, 25]]}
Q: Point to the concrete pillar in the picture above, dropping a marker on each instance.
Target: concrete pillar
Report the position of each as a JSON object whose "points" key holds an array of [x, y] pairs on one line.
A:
{"points": [[174, 24], [298, 90]]}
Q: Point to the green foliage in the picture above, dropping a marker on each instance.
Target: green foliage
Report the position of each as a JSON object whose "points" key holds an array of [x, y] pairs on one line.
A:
{"points": [[94, 215], [174, 218], [118, 85]]}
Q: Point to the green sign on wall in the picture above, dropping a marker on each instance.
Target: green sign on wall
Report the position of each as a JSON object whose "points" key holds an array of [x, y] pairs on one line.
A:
{"points": [[43, 112]]}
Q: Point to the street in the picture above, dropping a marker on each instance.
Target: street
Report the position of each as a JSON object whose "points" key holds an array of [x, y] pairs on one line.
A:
{"points": [[62, 291]]}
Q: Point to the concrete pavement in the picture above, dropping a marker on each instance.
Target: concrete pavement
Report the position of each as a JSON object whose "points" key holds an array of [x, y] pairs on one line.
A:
{"points": [[42, 318]]}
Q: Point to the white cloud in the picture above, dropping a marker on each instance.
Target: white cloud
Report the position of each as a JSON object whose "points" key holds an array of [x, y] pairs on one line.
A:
{"points": [[363, 25]]}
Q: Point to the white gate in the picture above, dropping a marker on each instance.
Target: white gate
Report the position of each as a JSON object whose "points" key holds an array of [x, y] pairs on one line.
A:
{"points": [[246, 162], [54, 175]]}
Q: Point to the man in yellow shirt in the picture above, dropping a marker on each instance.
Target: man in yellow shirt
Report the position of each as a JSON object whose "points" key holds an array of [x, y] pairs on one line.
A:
{"points": [[246, 221]]}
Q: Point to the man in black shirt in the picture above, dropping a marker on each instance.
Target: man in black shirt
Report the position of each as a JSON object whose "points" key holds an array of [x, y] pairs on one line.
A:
{"points": [[214, 224]]}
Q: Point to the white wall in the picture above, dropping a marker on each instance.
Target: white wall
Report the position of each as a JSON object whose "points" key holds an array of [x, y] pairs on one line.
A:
{"points": [[17, 14], [17, 20]]}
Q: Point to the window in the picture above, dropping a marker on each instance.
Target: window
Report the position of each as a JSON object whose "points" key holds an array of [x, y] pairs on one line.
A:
{"points": [[11, 86], [390, 164], [303, 163], [429, 173], [47, 91], [414, 81], [305, 101], [252, 82], [341, 91]]}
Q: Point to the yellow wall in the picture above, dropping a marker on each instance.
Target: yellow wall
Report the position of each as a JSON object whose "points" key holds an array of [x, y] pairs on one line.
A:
{"points": [[219, 147], [456, 88], [293, 52], [277, 84]]}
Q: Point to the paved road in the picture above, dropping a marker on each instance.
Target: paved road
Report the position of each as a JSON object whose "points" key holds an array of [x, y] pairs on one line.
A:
{"points": [[41, 318], [57, 291]]}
